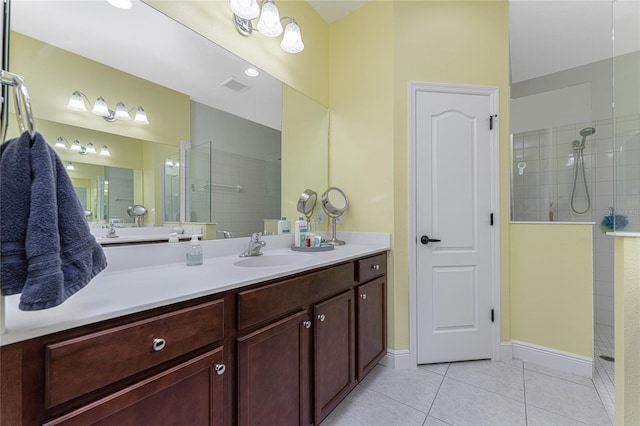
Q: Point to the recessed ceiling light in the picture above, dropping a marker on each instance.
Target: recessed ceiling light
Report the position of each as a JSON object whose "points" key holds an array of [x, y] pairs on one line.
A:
{"points": [[121, 4], [252, 72]]}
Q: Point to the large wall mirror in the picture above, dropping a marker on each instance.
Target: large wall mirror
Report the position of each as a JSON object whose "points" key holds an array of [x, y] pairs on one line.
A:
{"points": [[220, 147]]}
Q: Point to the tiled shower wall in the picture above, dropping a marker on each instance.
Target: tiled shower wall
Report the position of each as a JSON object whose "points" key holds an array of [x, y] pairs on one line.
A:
{"points": [[242, 212], [546, 183]]}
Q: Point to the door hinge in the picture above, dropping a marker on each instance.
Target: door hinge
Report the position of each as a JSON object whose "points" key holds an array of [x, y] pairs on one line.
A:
{"points": [[491, 219], [491, 117], [492, 316]]}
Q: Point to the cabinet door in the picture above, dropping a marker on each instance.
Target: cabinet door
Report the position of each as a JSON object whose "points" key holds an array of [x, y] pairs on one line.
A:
{"points": [[372, 325], [334, 355], [191, 393], [273, 374]]}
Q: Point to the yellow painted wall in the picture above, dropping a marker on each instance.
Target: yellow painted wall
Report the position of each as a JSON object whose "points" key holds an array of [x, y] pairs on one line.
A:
{"points": [[627, 328], [53, 74], [397, 42], [305, 131], [306, 71], [552, 286]]}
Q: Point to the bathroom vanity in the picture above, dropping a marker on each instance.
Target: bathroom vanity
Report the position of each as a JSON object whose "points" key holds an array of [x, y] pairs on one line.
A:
{"points": [[282, 349]]}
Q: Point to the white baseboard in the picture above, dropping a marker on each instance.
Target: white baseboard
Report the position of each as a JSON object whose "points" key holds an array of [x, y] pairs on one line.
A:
{"points": [[552, 358], [506, 351], [399, 360]]}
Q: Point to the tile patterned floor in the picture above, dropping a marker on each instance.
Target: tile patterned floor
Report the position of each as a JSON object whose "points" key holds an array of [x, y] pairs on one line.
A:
{"points": [[603, 377], [472, 393]]}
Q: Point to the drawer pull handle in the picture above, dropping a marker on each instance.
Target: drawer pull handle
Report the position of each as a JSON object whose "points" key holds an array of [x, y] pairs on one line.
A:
{"points": [[321, 318], [363, 296], [375, 267], [220, 369], [306, 324], [158, 344]]}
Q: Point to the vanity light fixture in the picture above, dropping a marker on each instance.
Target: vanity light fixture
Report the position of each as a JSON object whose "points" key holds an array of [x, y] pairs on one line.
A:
{"points": [[269, 24], [70, 166], [76, 146], [100, 108]]}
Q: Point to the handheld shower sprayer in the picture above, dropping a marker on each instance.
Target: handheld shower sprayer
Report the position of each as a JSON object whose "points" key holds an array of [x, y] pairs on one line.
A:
{"points": [[578, 166]]}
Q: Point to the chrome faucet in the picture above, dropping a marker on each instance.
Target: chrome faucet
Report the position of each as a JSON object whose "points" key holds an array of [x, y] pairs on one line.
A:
{"points": [[226, 234], [112, 231], [255, 244]]}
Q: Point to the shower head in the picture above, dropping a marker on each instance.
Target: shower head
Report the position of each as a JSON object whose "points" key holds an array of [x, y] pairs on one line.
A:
{"points": [[587, 131]]}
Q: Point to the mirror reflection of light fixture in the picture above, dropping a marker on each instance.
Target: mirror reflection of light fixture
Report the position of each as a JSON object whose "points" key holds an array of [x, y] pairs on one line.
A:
{"points": [[70, 166], [76, 146], [269, 24], [101, 108]]}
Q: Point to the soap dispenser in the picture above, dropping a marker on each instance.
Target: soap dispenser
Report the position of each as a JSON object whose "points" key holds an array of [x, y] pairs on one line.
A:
{"points": [[194, 254]]}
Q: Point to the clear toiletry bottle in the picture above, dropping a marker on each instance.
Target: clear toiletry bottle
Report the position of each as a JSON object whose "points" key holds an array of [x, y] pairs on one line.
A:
{"points": [[194, 254]]}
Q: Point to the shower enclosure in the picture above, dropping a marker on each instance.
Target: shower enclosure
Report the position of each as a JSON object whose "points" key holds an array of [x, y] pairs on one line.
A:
{"points": [[576, 144]]}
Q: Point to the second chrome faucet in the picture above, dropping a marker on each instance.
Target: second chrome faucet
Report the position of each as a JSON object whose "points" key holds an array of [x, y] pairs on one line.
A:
{"points": [[255, 245]]}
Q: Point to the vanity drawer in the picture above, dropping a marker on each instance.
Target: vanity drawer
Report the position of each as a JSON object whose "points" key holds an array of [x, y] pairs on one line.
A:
{"points": [[371, 267], [271, 301], [78, 366]]}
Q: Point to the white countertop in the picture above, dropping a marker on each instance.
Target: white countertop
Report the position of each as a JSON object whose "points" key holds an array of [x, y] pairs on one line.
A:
{"points": [[143, 277]]}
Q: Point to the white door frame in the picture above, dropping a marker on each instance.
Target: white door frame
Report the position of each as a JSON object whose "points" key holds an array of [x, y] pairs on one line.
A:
{"points": [[493, 93]]}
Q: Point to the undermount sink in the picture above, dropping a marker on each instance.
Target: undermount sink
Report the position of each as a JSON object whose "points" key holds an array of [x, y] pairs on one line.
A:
{"points": [[272, 260]]}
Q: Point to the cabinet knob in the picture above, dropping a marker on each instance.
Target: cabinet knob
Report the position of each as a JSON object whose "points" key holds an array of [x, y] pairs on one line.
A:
{"points": [[158, 344], [306, 324], [220, 369], [321, 318], [375, 267], [363, 296]]}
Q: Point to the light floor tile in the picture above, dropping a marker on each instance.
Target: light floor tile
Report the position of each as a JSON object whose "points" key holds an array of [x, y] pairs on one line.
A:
{"points": [[440, 368], [463, 404], [585, 381], [503, 378], [538, 417], [432, 421], [565, 398], [415, 388], [368, 408]]}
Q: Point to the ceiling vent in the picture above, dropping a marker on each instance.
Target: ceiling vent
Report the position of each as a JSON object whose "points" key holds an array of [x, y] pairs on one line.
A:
{"points": [[234, 85]]}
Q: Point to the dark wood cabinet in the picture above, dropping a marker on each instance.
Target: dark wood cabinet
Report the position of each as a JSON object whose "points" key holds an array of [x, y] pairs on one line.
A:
{"points": [[371, 325], [282, 352], [333, 352], [190, 393], [273, 373]]}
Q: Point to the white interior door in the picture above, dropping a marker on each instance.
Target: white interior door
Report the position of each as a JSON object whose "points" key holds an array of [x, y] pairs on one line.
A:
{"points": [[453, 197]]}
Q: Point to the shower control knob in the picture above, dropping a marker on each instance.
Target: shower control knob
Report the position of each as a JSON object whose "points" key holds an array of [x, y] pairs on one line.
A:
{"points": [[426, 240]]}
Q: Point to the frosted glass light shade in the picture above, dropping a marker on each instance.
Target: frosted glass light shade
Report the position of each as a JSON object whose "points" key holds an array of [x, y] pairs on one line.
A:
{"points": [[269, 23], [104, 151], [70, 166], [292, 41], [76, 103], [121, 112], [75, 146], [246, 9], [100, 107], [141, 116], [60, 143], [90, 149]]}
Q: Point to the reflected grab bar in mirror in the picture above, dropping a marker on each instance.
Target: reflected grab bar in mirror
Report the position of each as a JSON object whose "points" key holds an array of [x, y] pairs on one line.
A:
{"points": [[217, 185]]}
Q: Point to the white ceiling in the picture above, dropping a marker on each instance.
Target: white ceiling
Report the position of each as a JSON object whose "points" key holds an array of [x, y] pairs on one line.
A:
{"points": [[332, 10]]}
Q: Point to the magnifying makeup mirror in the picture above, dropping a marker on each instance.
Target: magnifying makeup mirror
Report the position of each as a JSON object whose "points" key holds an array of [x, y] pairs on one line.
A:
{"points": [[137, 212], [334, 203], [307, 202]]}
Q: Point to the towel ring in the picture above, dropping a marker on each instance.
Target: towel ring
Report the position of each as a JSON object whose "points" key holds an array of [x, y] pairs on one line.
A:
{"points": [[21, 96]]}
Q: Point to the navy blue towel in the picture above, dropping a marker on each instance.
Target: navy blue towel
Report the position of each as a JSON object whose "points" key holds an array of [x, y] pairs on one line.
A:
{"points": [[47, 252]]}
